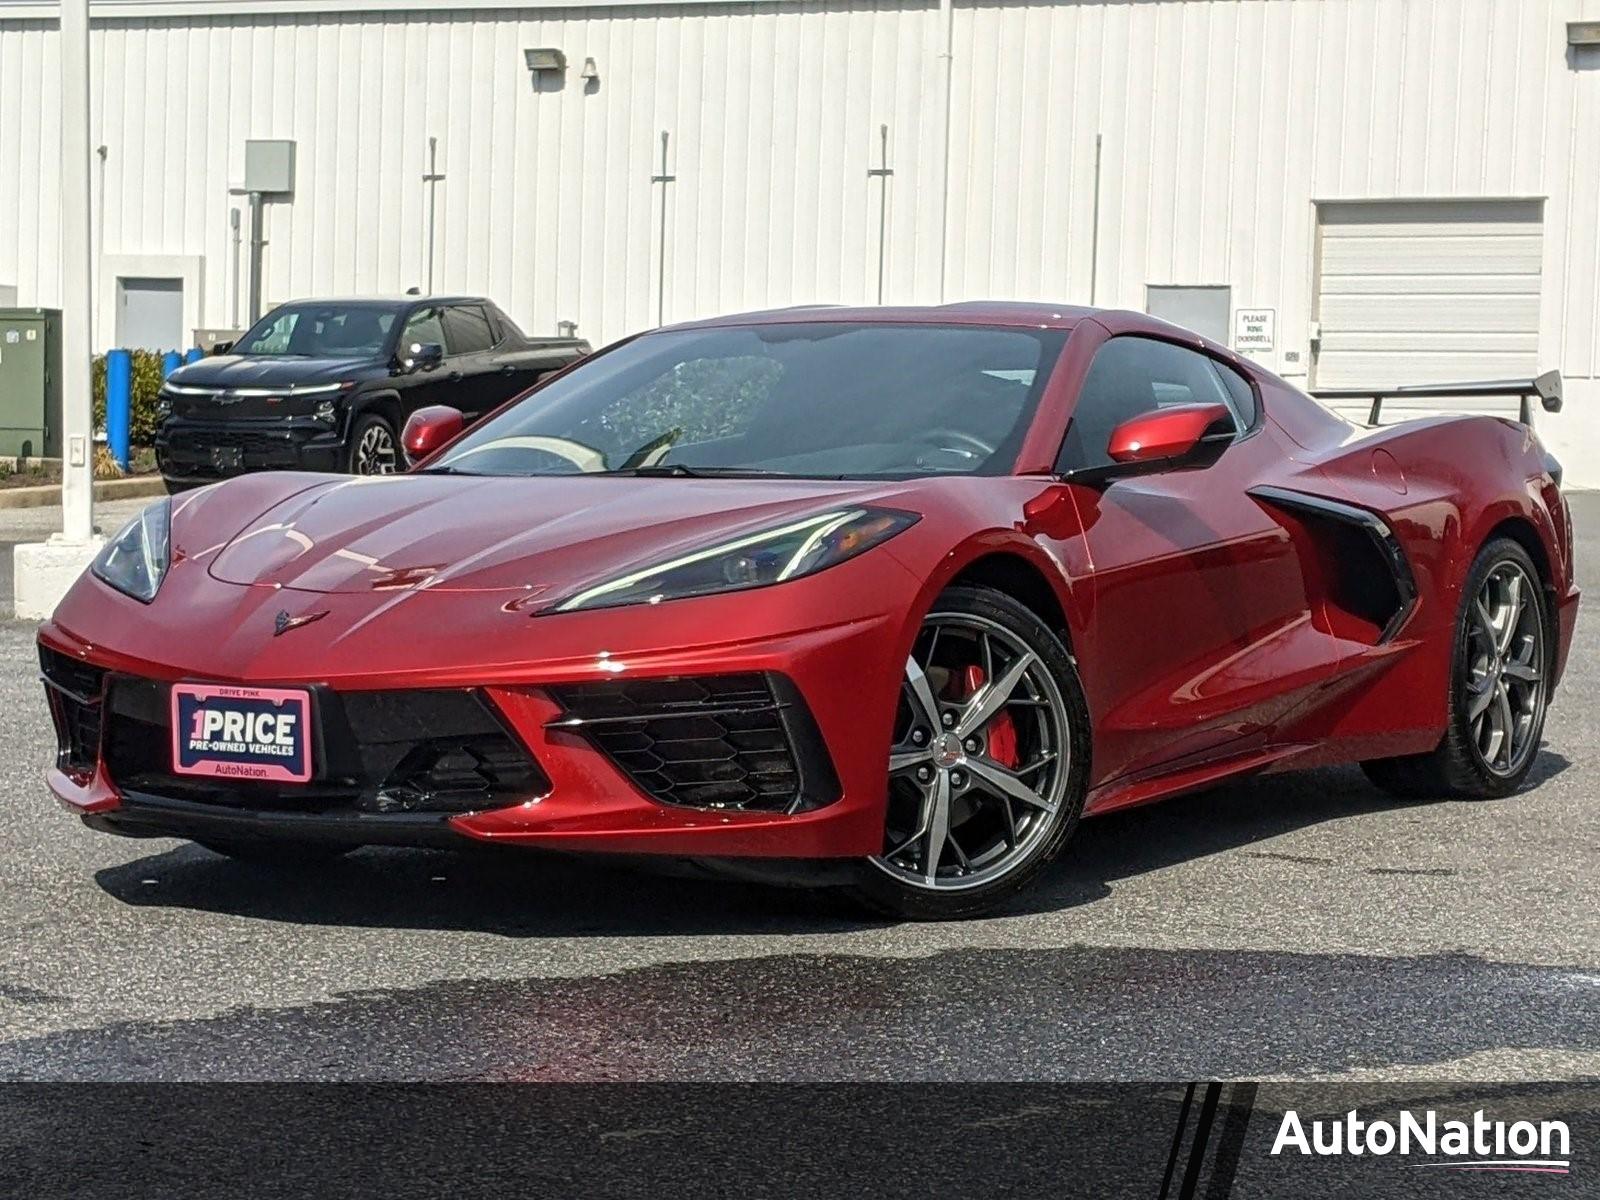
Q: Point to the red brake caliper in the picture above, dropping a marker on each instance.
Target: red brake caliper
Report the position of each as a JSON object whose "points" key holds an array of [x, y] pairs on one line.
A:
{"points": [[1001, 730]]}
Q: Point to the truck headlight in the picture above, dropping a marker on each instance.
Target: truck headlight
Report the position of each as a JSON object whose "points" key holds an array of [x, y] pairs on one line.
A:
{"points": [[136, 560], [774, 555]]}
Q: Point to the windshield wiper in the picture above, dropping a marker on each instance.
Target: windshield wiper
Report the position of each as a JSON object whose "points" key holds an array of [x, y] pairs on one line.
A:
{"points": [[683, 471]]}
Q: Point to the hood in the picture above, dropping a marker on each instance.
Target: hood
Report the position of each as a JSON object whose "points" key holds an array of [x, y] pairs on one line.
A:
{"points": [[269, 371], [542, 536]]}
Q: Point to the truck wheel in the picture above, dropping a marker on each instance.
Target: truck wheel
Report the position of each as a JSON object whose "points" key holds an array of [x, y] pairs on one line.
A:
{"points": [[373, 448]]}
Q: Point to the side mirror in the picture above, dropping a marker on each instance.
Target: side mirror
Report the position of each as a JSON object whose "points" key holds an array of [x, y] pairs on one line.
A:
{"points": [[1183, 437], [429, 428], [423, 356]]}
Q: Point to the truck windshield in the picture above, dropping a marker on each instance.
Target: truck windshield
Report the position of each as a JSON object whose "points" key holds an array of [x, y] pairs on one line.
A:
{"points": [[320, 331], [803, 399]]}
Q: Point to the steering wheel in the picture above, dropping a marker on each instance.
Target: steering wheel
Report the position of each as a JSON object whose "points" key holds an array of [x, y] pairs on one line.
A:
{"points": [[959, 440]]}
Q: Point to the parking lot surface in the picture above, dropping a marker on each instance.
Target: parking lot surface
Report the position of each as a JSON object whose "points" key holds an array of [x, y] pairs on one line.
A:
{"points": [[1300, 926]]}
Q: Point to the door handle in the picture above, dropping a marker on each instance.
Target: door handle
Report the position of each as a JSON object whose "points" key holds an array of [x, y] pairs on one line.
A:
{"points": [[455, 376]]}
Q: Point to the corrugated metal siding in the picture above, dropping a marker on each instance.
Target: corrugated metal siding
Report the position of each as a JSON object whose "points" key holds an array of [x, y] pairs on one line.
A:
{"points": [[1430, 291], [1222, 122]]}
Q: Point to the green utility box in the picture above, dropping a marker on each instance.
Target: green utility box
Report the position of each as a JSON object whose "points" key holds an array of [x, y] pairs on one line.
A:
{"points": [[30, 382]]}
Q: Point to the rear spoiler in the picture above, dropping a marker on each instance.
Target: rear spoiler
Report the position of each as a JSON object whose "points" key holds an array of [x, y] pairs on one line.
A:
{"points": [[1547, 387]]}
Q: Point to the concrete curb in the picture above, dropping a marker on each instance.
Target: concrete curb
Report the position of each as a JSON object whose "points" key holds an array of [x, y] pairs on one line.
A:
{"points": [[104, 489]]}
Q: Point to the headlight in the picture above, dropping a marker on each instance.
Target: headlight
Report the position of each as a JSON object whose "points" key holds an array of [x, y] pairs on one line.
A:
{"points": [[135, 561], [775, 555]]}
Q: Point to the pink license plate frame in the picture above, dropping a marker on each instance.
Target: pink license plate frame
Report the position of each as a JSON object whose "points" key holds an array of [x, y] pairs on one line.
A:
{"points": [[246, 733]]}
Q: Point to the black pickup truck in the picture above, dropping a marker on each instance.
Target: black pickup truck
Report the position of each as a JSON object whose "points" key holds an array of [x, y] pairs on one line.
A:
{"points": [[326, 385]]}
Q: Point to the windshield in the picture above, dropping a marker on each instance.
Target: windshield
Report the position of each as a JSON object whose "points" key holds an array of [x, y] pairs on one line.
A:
{"points": [[320, 331], [802, 399]]}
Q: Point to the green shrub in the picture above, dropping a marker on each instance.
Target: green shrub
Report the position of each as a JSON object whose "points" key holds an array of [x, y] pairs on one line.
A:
{"points": [[146, 387]]}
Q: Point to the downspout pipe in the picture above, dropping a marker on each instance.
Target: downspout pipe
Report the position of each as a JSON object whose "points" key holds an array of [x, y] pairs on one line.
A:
{"points": [[947, 24]]}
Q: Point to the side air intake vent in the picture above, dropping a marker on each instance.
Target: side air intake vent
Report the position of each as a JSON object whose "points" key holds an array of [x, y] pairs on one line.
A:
{"points": [[1357, 574]]}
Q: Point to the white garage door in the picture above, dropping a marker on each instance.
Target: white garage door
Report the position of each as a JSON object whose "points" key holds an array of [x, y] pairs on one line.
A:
{"points": [[1436, 291]]}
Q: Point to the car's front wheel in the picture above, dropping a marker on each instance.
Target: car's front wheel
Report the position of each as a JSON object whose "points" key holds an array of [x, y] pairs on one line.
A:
{"points": [[374, 449], [989, 764]]}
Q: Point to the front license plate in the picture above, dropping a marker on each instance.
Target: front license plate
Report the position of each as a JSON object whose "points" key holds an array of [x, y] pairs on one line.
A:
{"points": [[241, 732]]}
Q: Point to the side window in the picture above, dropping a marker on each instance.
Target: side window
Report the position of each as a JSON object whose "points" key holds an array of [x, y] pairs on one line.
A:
{"points": [[1133, 375], [467, 329], [424, 325], [1242, 395]]}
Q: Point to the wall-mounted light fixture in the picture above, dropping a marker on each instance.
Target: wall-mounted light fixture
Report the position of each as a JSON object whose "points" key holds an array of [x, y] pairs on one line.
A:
{"points": [[544, 58], [590, 72]]}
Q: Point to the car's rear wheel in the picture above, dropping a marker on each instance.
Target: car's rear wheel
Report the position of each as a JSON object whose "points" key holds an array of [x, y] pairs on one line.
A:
{"points": [[989, 763], [1499, 686], [278, 853], [373, 447]]}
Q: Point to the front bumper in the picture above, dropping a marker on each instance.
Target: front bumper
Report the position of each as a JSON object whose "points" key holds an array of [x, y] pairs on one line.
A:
{"points": [[191, 451], [599, 794]]}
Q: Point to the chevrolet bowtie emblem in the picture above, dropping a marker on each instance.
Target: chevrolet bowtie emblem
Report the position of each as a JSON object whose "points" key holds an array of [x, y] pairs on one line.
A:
{"points": [[283, 622]]}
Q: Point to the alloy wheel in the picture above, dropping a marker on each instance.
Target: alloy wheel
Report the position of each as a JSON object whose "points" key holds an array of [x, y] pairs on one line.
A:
{"points": [[979, 768], [1504, 685], [375, 452]]}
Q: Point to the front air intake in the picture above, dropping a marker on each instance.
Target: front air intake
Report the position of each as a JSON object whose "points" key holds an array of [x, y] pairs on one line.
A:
{"points": [[744, 742]]}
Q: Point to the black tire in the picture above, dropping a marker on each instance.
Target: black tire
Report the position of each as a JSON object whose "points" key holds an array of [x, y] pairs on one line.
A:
{"points": [[880, 888], [276, 853], [370, 428], [1457, 767]]}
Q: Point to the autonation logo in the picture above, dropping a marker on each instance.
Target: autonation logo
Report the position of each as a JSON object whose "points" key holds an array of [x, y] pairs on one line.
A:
{"points": [[1476, 1145]]}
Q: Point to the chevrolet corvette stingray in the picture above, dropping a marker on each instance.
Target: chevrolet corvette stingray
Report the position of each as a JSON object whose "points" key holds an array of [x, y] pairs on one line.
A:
{"points": [[887, 597]]}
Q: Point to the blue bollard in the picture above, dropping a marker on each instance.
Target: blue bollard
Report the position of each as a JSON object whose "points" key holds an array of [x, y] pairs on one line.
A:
{"points": [[194, 354], [119, 404], [170, 362]]}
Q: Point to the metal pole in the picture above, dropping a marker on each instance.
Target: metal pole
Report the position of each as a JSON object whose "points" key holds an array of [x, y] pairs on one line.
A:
{"points": [[1094, 232], [99, 247], [882, 172], [77, 277], [233, 291], [432, 179], [947, 17], [664, 178], [258, 210]]}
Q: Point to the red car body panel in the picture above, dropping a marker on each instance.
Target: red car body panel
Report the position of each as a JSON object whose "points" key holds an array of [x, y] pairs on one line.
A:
{"points": [[1203, 607]]}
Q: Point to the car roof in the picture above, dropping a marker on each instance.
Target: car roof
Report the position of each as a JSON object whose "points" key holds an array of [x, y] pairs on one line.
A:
{"points": [[1016, 314], [382, 301], [969, 312]]}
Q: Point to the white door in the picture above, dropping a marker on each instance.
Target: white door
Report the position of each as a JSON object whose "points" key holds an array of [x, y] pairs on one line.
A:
{"points": [[1434, 291], [150, 314]]}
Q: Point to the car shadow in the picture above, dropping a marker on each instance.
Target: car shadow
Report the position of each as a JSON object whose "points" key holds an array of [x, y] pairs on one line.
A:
{"points": [[520, 893]]}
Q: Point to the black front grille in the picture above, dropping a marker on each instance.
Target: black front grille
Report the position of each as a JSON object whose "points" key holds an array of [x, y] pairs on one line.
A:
{"points": [[721, 741], [421, 751], [74, 690]]}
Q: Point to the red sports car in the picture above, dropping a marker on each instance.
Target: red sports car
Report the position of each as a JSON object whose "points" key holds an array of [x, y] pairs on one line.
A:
{"points": [[888, 597]]}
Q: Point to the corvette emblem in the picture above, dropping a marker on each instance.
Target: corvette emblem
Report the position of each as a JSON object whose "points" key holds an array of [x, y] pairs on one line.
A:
{"points": [[283, 622]]}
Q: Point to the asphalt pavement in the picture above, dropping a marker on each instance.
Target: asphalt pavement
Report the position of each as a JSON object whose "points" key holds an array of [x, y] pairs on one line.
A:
{"points": [[1298, 927]]}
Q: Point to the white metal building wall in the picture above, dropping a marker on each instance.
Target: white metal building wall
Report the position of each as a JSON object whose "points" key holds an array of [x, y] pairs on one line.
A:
{"points": [[1223, 123]]}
